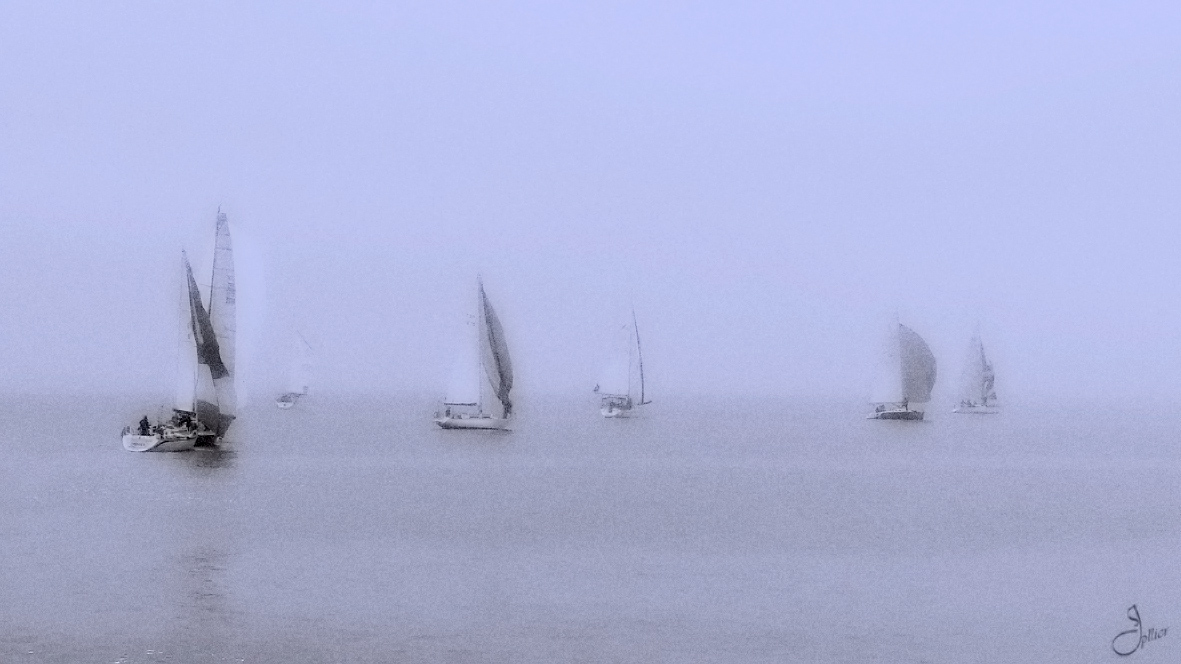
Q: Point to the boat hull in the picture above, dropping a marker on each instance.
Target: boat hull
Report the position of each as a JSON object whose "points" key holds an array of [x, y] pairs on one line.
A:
{"points": [[472, 423], [976, 410], [897, 414], [287, 400], [613, 412], [157, 443]]}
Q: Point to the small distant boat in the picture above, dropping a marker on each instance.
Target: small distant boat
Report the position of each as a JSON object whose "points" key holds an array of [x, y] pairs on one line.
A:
{"points": [[298, 375], [621, 386], [977, 388], [206, 400], [905, 377], [481, 381]]}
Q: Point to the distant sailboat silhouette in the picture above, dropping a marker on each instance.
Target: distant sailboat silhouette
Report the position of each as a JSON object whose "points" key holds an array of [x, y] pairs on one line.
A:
{"points": [[621, 386], [483, 381], [978, 382], [298, 375], [904, 378], [206, 399]]}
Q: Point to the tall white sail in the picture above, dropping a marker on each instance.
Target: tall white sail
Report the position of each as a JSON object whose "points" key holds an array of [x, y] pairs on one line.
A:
{"points": [[494, 356], [223, 316], [977, 386]]}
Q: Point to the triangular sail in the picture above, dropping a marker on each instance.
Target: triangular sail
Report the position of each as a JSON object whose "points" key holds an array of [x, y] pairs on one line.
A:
{"points": [[223, 317], [498, 367], [918, 366], [978, 381]]}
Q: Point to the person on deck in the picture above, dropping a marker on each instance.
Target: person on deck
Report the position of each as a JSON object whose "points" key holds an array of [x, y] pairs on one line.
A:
{"points": [[145, 427]]}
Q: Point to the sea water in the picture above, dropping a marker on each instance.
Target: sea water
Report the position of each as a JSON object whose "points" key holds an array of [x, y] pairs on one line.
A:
{"points": [[704, 531]]}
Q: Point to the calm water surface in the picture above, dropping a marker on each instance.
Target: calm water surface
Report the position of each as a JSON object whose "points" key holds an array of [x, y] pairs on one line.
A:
{"points": [[703, 532]]}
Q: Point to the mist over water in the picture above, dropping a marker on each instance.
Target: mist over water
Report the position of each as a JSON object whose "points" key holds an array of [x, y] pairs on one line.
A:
{"points": [[355, 530], [766, 187]]}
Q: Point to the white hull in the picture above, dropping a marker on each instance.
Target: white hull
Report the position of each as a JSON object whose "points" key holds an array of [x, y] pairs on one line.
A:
{"points": [[896, 414], [613, 412], [484, 423], [287, 400], [158, 443], [977, 410]]}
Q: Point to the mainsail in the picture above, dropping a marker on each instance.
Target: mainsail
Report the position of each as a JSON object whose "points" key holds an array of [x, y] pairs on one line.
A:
{"points": [[223, 317], [498, 367]]}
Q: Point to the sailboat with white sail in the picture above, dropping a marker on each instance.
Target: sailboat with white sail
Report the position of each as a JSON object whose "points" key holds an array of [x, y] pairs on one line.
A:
{"points": [[621, 386], [206, 399], [478, 394], [904, 378], [298, 375], [977, 384]]}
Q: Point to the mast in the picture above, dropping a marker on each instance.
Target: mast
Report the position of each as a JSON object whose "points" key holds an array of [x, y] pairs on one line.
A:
{"points": [[639, 357]]}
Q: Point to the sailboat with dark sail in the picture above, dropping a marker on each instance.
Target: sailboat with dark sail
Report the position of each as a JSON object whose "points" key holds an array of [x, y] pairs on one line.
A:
{"points": [[206, 399], [905, 376], [621, 386], [478, 395], [978, 382]]}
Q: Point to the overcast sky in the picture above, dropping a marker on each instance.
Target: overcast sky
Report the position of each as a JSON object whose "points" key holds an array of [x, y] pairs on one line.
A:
{"points": [[767, 184]]}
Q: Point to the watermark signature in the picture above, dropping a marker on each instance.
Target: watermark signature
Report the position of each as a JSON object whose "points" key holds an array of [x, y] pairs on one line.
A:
{"points": [[1129, 641]]}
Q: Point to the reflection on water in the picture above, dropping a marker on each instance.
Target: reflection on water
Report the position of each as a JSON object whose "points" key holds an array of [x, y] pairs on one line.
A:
{"points": [[210, 457], [204, 577]]}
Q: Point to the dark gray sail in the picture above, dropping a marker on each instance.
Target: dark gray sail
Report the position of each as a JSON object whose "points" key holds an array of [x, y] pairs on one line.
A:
{"points": [[208, 351], [918, 366], [498, 367]]}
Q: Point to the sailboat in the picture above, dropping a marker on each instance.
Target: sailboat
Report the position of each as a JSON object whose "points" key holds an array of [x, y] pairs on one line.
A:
{"points": [[481, 381], [621, 386], [977, 393], [206, 399], [905, 376], [298, 374]]}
